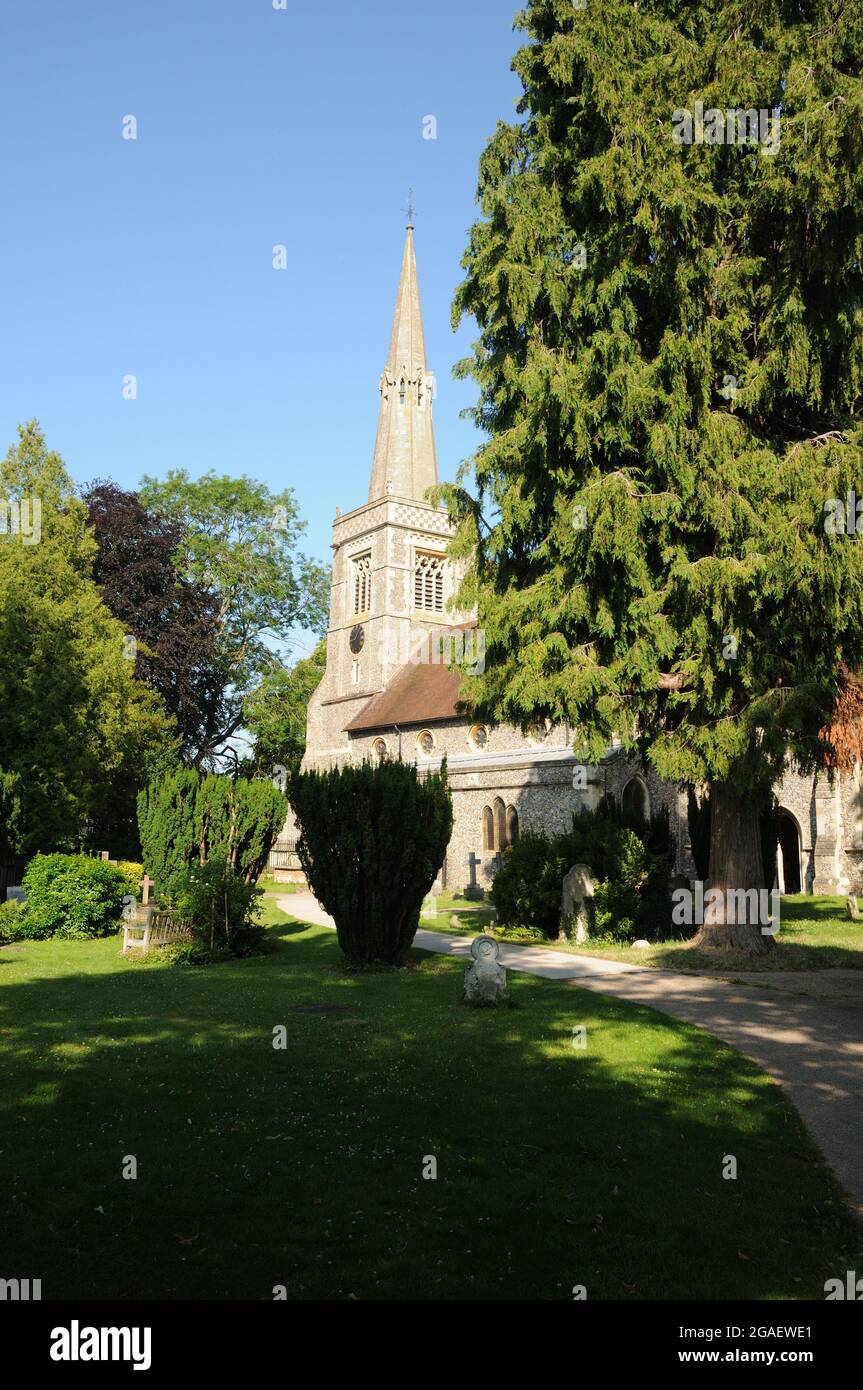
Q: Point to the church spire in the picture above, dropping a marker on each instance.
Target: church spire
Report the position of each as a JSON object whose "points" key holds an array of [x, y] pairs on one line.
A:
{"points": [[404, 463]]}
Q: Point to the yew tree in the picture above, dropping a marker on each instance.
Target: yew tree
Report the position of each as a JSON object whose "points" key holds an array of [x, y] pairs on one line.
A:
{"points": [[669, 363]]}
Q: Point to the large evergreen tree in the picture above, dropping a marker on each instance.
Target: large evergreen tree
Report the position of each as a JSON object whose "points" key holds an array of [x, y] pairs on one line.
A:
{"points": [[669, 365]]}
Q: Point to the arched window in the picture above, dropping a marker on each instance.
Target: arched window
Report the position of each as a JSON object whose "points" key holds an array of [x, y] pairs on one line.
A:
{"points": [[428, 582], [362, 583], [379, 750], [499, 823], [479, 737], [425, 743], [487, 828], [511, 825], [636, 801], [402, 391]]}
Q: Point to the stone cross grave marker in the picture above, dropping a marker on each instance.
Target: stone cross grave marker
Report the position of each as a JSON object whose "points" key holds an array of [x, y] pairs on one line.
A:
{"points": [[146, 884], [473, 889]]}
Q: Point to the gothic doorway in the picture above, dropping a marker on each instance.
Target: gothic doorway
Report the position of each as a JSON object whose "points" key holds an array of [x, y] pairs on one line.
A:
{"points": [[788, 856]]}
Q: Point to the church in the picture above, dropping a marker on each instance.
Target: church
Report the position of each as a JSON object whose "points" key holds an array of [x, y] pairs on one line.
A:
{"points": [[395, 648]]}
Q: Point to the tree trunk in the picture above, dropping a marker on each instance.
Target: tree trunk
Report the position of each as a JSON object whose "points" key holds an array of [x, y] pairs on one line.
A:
{"points": [[735, 868]]}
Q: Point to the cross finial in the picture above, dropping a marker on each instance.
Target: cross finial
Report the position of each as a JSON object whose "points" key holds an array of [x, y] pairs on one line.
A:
{"points": [[410, 207]]}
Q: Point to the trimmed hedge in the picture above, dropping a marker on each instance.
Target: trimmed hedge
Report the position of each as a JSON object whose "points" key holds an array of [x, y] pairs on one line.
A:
{"points": [[72, 896], [188, 819], [372, 840]]}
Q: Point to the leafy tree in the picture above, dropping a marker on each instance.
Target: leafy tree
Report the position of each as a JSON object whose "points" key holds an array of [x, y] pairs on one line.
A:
{"points": [[669, 363], [173, 620], [372, 840], [239, 544], [275, 712], [80, 732]]}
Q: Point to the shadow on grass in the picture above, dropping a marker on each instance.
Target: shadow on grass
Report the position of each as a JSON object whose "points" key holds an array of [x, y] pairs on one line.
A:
{"points": [[302, 1165]]}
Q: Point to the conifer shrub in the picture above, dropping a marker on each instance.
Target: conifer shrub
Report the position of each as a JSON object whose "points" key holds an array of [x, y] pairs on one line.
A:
{"points": [[186, 818], [372, 840]]}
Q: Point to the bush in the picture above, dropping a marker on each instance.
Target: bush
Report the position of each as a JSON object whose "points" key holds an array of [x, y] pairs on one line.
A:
{"points": [[221, 909], [15, 924], [187, 819], [132, 875], [372, 840], [73, 896], [631, 879]]}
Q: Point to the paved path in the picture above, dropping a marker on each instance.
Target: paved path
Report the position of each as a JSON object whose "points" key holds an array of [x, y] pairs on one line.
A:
{"points": [[804, 1028]]}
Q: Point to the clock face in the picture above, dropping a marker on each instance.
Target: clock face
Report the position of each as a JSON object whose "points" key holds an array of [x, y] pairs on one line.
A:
{"points": [[358, 637]]}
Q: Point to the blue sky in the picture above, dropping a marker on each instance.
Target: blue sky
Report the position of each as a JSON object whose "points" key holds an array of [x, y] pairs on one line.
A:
{"points": [[153, 257]]}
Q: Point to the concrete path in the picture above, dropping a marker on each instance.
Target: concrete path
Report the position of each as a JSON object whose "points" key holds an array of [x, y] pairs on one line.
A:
{"points": [[804, 1028]]}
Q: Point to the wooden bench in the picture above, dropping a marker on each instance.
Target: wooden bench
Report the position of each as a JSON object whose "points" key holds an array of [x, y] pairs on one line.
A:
{"points": [[153, 928]]}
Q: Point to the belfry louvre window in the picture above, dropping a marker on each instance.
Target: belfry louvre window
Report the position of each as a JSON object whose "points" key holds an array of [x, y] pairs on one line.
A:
{"points": [[428, 583], [363, 583]]}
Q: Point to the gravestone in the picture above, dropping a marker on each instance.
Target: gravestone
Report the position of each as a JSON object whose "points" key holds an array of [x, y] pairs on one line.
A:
{"points": [[146, 884], [473, 889], [853, 907], [16, 895], [575, 912], [485, 978], [429, 907]]}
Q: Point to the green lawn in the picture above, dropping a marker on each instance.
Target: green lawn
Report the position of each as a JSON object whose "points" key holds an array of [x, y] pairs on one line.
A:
{"points": [[303, 1167], [814, 934]]}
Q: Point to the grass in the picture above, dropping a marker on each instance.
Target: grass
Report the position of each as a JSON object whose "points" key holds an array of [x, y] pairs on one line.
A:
{"points": [[302, 1166], [815, 934]]}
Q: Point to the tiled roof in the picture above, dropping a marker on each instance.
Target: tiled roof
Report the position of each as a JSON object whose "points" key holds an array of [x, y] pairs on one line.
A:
{"points": [[417, 694]]}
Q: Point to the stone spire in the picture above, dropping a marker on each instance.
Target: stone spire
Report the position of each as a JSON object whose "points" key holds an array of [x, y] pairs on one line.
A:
{"points": [[405, 464]]}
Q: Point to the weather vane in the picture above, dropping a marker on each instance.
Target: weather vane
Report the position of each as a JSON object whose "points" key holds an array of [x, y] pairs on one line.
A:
{"points": [[410, 207]]}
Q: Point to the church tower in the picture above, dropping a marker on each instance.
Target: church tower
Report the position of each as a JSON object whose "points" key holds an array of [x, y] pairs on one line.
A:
{"points": [[391, 578]]}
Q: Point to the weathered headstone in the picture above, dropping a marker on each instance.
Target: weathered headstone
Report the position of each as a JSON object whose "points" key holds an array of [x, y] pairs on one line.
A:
{"points": [[485, 978], [16, 895], [853, 907], [473, 889], [575, 903]]}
